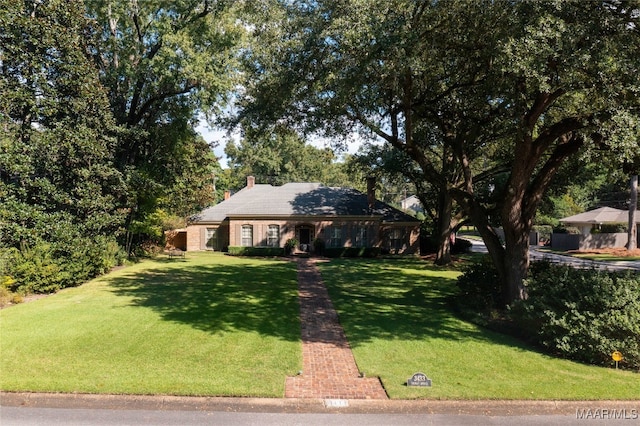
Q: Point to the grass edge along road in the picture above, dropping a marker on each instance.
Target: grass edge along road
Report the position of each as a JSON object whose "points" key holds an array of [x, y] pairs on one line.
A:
{"points": [[397, 320], [224, 326]]}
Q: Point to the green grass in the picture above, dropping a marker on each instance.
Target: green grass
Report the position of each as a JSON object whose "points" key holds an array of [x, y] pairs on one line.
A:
{"points": [[229, 326], [207, 325], [397, 320]]}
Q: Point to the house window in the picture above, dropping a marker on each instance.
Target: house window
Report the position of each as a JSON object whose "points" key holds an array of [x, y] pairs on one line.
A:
{"points": [[247, 236], [211, 238], [360, 237], [273, 236], [396, 239], [335, 237]]}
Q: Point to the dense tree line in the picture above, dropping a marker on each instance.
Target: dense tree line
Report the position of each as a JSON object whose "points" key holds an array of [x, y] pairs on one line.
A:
{"points": [[98, 150]]}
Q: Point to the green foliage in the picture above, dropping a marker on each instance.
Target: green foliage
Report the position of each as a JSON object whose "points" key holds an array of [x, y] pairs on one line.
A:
{"points": [[461, 246], [256, 251], [365, 252], [429, 80], [479, 290], [61, 193], [583, 315], [165, 65], [34, 270], [49, 267], [290, 245], [319, 246], [279, 155]]}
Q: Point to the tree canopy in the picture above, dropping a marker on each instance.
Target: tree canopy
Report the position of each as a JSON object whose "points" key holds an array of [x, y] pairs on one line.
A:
{"points": [[469, 106]]}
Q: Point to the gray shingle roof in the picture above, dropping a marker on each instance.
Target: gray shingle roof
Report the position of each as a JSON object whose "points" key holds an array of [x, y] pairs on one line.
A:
{"points": [[299, 199]]}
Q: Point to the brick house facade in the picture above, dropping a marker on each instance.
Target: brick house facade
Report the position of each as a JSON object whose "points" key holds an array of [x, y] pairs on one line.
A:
{"points": [[267, 216]]}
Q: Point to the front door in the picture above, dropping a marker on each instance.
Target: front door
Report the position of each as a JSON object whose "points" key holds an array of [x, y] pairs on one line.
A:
{"points": [[304, 238]]}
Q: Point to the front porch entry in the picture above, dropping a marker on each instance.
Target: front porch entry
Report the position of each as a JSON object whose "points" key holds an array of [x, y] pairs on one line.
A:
{"points": [[304, 235]]}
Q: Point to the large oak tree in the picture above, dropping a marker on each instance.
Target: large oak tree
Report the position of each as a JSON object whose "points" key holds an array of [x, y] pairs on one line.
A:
{"points": [[468, 90]]}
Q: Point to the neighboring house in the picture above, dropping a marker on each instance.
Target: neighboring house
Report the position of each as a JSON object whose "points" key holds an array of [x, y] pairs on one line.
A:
{"points": [[594, 218], [587, 222], [412, 203], [262, 215]]}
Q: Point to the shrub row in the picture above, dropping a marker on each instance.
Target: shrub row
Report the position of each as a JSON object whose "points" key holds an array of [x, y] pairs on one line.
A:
{"points": [[255, 251], [335, 252], [583, 315], [47, 267]]}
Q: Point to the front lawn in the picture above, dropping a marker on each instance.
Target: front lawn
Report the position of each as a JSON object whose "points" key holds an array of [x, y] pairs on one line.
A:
{"points": [[207, 325], [228, 326], [397, 320]]}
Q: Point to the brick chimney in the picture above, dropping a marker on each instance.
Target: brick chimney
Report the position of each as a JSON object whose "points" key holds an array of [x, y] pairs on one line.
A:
{"points": [[227, 195], [251, 180], [371, 192]]}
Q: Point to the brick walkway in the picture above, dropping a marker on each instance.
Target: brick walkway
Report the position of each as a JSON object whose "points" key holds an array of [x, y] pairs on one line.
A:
{"points": [[329, 369]]}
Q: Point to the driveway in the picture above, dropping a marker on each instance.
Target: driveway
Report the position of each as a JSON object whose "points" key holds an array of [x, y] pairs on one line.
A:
{"points": [[536, 254]]}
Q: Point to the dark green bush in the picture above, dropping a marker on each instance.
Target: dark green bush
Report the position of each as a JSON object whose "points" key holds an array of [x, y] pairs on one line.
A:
{"points": [[290, 245], [319, 246], [352, 252], [479, 289], [461, 246], [255, 251], [47, 267], [583, 315]]}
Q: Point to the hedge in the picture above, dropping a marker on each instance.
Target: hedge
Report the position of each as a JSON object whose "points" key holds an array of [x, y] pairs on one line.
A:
{"points": [[583, 315], [351, 252], [255, 251]]}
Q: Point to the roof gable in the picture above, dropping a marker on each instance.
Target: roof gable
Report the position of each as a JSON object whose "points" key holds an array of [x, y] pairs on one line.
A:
{"points": [[600, 215]]}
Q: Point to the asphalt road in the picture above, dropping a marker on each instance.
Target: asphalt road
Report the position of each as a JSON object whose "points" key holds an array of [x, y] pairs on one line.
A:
{"points": [[536, 254], [22, 416], [21, 409]]}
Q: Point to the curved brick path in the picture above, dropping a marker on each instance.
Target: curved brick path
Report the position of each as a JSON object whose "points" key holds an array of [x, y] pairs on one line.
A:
{"points": [[329, 369]]}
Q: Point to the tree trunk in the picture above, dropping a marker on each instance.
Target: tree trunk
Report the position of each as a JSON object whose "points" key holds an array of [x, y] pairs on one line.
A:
{"points": [[515, 263], [632, 242], [443, 228]]}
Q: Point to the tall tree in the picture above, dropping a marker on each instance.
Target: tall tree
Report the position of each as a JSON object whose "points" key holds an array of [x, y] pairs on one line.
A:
{"points": [[278, 155], [428, 78], [165, 64], [58, 182]]}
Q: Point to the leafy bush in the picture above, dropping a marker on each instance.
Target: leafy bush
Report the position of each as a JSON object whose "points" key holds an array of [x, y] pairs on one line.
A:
{"points": [[34, 270], [290, 245], [319, 246], [47, 267], [583, 315], [352, 252], [255, 251], [461, 246], [479, 289]]}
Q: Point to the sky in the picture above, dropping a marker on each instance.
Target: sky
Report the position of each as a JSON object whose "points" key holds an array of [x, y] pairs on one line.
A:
{"points": [[221, 137], [216, 136]]}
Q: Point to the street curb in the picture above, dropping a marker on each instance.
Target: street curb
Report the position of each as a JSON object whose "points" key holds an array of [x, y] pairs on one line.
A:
{"points": [[311, 405]]}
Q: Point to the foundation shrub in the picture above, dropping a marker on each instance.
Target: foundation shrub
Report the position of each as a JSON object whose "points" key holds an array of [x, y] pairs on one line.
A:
{"points": [[255, 251], [367, 252]]}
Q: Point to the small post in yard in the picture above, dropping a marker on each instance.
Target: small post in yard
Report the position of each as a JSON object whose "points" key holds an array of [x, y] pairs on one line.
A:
{"points": [[617, 356]]}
